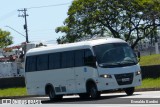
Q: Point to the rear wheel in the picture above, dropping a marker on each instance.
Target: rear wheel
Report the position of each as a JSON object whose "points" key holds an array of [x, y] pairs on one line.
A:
{"points": [[59, 97], [53, 96], [129, 91], [84, 95], [93, 92]]}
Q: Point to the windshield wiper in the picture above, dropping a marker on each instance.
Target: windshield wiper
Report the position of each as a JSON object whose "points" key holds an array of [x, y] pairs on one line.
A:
{"points": [[129, 61], [118, 64], [110, 64]]}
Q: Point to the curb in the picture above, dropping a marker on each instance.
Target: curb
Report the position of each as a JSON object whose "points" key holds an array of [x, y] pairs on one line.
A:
{"points": [[17, 97], [27, 96]]}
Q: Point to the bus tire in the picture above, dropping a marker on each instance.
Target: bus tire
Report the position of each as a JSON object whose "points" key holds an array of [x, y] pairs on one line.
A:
{"points": [[51, 93], [59, 97], [84, 95], [129, 91], [93, 92]]}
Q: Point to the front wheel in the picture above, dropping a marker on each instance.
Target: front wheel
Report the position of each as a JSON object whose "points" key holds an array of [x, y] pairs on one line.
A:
{"points": [[93, 92], [129, 91]]}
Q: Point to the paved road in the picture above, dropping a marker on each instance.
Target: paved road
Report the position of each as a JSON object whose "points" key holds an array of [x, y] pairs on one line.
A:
{"points": [[151, 97]]}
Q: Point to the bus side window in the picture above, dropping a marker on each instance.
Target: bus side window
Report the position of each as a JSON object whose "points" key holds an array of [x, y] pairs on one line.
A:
{"points": [[31, 64], [79, 58], [67, 59], [42, 62], [55, 61], [89, 59]]}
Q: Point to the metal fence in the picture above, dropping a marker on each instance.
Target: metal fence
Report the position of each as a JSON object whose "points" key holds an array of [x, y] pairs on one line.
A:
{"points": [[152, 71]]}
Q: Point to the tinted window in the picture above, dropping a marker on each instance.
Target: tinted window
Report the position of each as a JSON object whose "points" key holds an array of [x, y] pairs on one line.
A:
{"points": [[42, 62], [89, 58], [54, 61], [31, 63], [67, 59], [115, 55], [79, 58]]}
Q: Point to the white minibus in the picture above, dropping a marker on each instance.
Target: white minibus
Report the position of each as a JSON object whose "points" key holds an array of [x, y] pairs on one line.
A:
{"points": [[86, 68]]}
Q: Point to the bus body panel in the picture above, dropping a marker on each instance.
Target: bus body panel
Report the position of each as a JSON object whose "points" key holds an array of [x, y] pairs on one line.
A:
{"points": [[111, 83], [61, 79], [73, 80], [82, 74]]}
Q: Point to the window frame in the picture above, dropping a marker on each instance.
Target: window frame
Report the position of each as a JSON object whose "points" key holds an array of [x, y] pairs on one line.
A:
{"points": [[47, 61], [27, 67], [59, 54], [67, 66]]}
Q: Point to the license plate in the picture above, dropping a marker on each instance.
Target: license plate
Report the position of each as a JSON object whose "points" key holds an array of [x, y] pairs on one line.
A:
{"points": [[125, 79]]}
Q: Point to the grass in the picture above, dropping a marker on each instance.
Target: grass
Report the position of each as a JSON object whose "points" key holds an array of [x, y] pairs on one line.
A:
{"points": [[150, 60], [19, 91], [150, 83]]}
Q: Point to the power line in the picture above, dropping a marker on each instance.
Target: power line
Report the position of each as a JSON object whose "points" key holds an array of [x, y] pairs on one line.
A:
{"points": [[16, 31], [14, 11], [24, 15], [49, 5], [41, 30], [7, 15]]}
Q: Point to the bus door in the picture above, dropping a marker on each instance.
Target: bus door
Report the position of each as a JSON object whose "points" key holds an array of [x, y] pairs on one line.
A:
{"points": [[83, 68], [67, 72], [79, 71]]}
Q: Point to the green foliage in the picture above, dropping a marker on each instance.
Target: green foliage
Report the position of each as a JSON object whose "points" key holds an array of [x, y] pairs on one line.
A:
{"points": [[150, 60], [150, 83], [5, 39], [131, 20]]}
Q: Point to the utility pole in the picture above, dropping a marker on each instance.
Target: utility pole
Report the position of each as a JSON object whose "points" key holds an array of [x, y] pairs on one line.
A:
{"points": [[24, 15]]}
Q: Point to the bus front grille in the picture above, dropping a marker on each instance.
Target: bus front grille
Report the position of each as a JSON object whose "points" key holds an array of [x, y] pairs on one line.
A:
{"points": [[124, 79]]}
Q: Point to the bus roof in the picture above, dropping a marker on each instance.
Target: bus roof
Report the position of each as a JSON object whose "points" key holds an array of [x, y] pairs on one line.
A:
{"points": [[73, 46]]}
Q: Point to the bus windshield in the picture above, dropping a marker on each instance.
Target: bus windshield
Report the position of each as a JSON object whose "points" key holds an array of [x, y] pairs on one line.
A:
{"points": [[115, 55]]}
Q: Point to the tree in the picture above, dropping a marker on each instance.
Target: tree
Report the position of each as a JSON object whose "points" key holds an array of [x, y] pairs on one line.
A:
{"points": [[5, 39], [131, 20]]}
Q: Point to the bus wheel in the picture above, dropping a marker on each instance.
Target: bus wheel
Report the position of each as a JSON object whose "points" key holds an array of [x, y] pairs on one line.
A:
{"points": [[59, 97], [93, 92], [51, 94], [84, 95], [129, 91]]}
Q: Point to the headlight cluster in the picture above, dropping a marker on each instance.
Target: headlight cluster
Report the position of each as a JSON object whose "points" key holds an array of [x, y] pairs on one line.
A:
{"points": [[106, 76], [138, 73]]}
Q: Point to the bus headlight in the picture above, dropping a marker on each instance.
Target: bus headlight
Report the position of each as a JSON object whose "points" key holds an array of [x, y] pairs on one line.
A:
{"points": [[138, 72], [106, 76]]}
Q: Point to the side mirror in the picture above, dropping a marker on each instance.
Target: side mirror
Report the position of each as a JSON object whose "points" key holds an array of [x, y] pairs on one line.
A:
{"points": [[139, 56], [90, 61]]}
